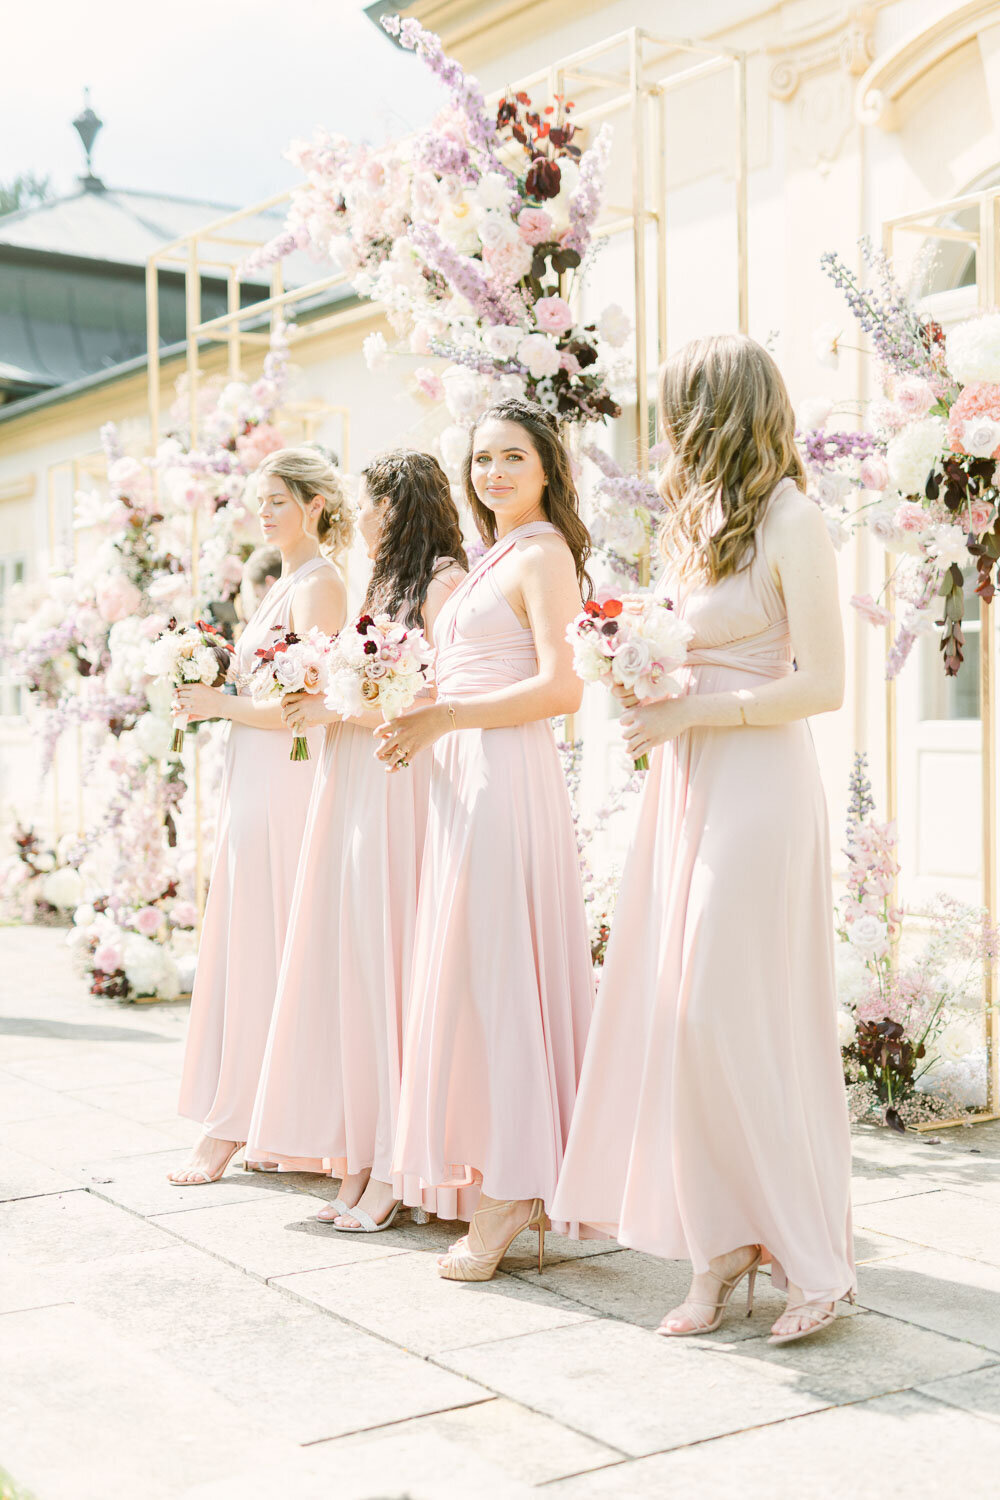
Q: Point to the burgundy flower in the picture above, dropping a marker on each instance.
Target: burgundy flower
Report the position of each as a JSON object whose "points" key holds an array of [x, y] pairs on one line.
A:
{"points": [[543, 179]]}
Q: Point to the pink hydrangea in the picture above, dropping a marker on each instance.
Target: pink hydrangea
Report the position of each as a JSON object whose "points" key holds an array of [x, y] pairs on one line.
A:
{"points": [[117, 598], [553, 315], [535, 226], [980, 399], [429, 383], [254, 446], [108, 958], [914, 396], [184, 914]]}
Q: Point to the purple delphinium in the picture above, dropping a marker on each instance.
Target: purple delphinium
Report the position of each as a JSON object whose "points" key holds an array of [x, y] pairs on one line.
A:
{"points": [[627, 489], [823, 449], [585, 202], [861, 802], [491, 303], [475, 359], [881, 310]]}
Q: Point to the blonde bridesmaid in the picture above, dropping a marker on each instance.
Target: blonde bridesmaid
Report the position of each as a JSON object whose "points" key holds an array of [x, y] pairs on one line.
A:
{"points": [[304, 513], [502, 987], [329, 1088], [711, 1123]]}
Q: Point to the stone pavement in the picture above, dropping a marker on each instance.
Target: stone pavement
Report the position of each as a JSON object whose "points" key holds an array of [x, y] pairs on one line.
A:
{"points": [[217, 1343]]}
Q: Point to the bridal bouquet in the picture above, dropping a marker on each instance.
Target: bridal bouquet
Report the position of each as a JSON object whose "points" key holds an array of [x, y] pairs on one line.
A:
{"points": [[376, 663], [635, 642], [184, 654], [292, 664]]}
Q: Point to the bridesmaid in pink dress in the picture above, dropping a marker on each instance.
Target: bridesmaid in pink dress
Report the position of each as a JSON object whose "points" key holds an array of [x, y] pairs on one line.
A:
{"points": [[711, 1123], [502, 987], [265, 797], [329, 1087]]}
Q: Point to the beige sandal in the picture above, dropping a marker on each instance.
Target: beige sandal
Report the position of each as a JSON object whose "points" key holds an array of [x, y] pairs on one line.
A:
{"points": [[695, 1311]]}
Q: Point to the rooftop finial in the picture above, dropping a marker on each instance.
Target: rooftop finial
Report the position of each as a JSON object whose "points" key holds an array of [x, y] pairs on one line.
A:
{"points": [[88, 126]]}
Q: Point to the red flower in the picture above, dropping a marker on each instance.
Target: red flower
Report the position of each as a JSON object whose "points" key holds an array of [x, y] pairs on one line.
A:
{"points": [[612, 609], [594, 609], [543, 179]]}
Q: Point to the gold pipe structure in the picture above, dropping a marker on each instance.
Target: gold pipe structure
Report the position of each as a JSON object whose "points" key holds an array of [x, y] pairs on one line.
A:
{"points": [[985, 239]]}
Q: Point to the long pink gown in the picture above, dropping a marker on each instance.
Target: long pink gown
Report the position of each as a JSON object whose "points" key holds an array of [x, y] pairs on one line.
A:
{"points": [[711, 1111], [502, 988], [263, 806], [329, 1087]]}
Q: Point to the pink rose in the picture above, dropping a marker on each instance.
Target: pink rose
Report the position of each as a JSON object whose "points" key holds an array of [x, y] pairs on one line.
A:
{"points": [[429, 383], [980, 515], [117, 598], [254, 446], [869, 610], [910, 516], [553, 315], [108, 958], [914, 396], [184, 914], [569, 362], [148, 920], [535, 225], [874, 474]]}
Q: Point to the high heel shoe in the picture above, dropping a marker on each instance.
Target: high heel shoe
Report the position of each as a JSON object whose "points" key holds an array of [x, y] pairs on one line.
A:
{"points": [[818, 1315], [694, 1311], [204, 1178], [471, 1259]]}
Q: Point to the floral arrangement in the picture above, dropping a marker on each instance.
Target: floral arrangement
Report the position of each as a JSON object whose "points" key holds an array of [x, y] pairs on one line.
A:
{"points": [[622, 513], [39, 883], [912, 1032], [929, 458], [635, 642], [292, 664], [184, 654], [468, 234], [376, 663]]}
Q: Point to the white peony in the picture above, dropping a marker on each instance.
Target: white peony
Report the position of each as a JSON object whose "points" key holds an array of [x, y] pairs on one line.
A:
{"points": [[492, 191], [207, 664], [149, 967], [913, 452], [539, 354], [869, 936], [980, 437], [153, 734], [974, 350], [497, 230], [614, 325], [947, 544], [457, 226], [502, 341], [63, 888], [846, 1028]]}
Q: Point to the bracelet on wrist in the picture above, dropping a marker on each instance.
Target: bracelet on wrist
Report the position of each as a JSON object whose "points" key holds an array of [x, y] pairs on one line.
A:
{"points": [[451, 712]]}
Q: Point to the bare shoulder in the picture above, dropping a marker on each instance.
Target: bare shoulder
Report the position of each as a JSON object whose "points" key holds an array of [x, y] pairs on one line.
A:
{"points": [[794, 525], [324, 586], [541, 556], [447, 576]]}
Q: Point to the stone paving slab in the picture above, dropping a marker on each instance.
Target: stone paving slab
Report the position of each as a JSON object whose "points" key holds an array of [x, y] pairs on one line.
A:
{"points": [[20, 1100], [947, 1221], [416, 1308], [978, 1393], [139, 1183], [75, 1068], [66, 1228], [946, 1293], [892, 1448], [21, 1177], [67, 1141], [632, 1390]]}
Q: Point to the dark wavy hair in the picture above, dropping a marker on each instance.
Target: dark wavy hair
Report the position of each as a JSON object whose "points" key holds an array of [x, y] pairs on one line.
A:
{"points": [[560, 501], [420, 526]]}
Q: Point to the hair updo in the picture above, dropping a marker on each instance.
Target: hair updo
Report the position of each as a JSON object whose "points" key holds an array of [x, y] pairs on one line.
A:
{"points": [[311, 470]]}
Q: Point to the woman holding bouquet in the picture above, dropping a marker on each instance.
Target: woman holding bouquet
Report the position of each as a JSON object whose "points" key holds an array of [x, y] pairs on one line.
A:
{"points": [[502, 986], [329, 1088], [711, 1123], [304, 512]]}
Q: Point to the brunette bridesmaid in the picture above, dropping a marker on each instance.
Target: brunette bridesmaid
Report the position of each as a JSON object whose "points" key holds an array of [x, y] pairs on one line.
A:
{"points": [[329, 1088], [304, 512], [502, 987], [711, 1123]]}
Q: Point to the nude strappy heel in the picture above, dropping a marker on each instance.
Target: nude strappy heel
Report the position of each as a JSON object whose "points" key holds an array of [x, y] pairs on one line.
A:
{"points": [[471, 1259], [819, 1315], [695, 1311], [204, 1178]]}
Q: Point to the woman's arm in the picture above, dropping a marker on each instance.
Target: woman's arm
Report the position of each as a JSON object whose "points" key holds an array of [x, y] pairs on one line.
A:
{"points": [[550, 596], [802, 557]]}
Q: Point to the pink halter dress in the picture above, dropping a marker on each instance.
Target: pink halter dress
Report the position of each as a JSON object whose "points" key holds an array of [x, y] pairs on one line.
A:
{"points": [[263, 804], [502, 984], [712, 1111], [329, 1086]]}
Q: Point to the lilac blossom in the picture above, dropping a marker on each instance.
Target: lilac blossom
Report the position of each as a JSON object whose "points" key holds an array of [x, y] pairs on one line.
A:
{"points": [[491, 303], [823, 449], [881, 310], [585, 202], [627, 489]]}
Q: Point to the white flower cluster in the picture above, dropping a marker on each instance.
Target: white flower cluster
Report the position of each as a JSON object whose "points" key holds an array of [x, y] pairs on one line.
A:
{"points": [[974, 350], [377, 664], [183, 656], [636, 642], [913, 452], [299, 666]]}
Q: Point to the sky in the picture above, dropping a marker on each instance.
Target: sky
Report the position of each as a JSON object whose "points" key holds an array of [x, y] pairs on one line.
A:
{"points": [[199, 98]]}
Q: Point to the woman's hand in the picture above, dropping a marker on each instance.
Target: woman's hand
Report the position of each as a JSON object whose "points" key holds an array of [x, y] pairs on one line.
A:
{"points": [[402, 738], [653, 724], [199, 702], [302, 711], [624, 695]]}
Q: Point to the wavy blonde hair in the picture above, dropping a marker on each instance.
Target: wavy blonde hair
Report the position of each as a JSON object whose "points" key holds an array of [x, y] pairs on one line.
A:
{"points": [[308, 471], [728, 420]]}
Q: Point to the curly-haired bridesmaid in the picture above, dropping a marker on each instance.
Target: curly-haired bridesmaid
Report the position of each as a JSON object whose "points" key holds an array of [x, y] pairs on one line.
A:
{"points": [[711, 1123]]}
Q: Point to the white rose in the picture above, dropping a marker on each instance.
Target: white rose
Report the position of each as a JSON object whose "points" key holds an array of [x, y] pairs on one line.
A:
{"points": [[913, 452], [614, 325], [501, 341], [631, 662], [63, 887], [464, 392], [869, 936], [846, 1028], [981, 437], [208, 667], [288, 673], [84, 915], [497, 229], [539, 355]]}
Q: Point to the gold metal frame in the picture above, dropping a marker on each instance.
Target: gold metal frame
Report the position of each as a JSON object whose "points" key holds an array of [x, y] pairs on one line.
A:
{"points": [[985, 240]]}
